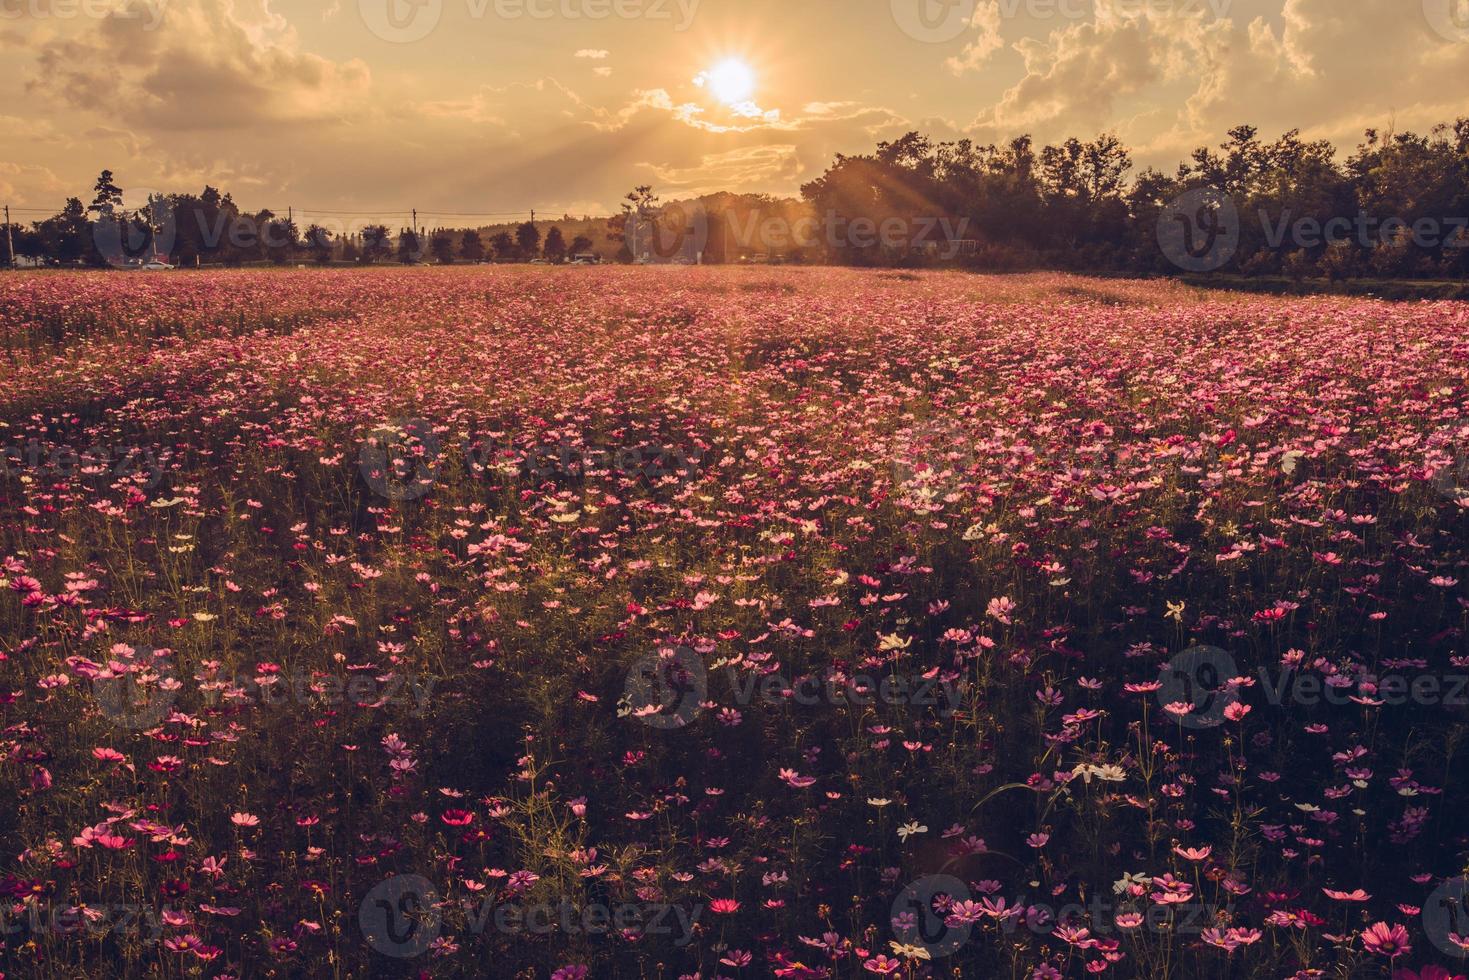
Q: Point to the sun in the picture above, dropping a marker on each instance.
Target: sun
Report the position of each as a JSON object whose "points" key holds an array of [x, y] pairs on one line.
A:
{"points": [[731, 81]]}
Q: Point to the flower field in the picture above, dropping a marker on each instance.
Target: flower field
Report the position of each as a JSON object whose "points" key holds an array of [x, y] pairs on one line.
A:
{"points": [[695, 622]]}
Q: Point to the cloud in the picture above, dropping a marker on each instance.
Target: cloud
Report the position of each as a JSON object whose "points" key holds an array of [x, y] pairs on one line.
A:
{"points": [[517, 110], [1077, 74], [747, 169], [207, 66], [30, 182], [828, 108], [1172, 77], [978, 50], [282, 110]]}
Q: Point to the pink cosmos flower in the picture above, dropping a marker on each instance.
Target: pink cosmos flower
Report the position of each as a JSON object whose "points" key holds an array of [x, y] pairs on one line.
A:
{"points": [[1386, 940], [1236, 711], [793, 779], [1356, 895], [1431, 972]]}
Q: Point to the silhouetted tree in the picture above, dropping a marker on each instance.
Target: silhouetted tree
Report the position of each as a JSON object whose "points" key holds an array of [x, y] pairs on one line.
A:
{"points": [[637, 221], [319, 243], [409, 249], [528, 240], [442, 246], [281, 241], [107, 196], [376, 245], [555, 247], [471, 248], [67, 235]]}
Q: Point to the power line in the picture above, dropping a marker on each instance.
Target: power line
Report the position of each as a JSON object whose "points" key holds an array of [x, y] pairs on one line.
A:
{"points": [[491, 213]]}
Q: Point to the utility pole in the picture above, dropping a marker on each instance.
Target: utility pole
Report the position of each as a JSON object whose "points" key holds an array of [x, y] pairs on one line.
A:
{"points": [[9, 351]]}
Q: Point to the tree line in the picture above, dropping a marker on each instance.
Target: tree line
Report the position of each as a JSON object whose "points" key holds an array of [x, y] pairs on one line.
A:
{"points": [[1397, 206], [210, 228]]}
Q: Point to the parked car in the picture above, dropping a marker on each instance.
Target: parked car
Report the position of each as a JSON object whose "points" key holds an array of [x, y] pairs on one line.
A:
{"points": [[156, 266]]}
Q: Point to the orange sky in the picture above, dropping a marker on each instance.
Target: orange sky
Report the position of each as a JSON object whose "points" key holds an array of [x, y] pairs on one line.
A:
{"points": [[501, 105]]}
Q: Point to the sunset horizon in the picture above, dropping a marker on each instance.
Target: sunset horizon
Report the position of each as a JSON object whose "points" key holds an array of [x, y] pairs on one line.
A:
{"points": [[507, 105]]}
